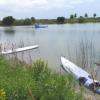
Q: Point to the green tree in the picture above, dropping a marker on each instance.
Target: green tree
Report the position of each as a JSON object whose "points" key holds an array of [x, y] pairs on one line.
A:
{"points": [[94, 15], [81, 19], [86, 15], [7, 21], [27, 21], [0, 23], [75, 15], [19, 22], [71, 16], [33, 19], [60, 20]]}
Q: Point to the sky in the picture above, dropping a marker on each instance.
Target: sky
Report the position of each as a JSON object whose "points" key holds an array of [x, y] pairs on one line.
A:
{"points": [[48, 8]]}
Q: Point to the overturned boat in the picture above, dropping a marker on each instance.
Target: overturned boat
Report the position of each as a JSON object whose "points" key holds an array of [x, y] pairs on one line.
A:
{"points": [[19, 50], [81, 75]]}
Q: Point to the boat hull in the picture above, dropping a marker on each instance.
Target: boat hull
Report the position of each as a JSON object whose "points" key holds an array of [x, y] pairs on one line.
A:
{"points": [[19, 49], [40, 26], [80, 75]]}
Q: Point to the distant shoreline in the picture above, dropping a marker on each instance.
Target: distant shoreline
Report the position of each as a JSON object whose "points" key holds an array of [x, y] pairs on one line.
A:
{"points": [[22, 22], [69, 21]]}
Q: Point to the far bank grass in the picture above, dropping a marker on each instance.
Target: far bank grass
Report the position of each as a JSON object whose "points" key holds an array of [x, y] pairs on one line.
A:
{"points": [[70, 21], [21, 81], [54, 21], [84, 20]]}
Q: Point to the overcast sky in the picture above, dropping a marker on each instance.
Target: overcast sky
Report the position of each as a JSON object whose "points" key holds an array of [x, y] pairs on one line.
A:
{"points": [[48, 8]]}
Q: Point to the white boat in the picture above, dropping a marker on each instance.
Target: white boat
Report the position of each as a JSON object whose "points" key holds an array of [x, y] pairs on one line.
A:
{"points": [[19, 49], [81, 75]]}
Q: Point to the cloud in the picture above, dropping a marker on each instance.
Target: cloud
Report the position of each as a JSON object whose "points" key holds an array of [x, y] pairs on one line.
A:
{"points": [[75, 2], [27, 4], [23, 3], [16, 6], [78, 2]]}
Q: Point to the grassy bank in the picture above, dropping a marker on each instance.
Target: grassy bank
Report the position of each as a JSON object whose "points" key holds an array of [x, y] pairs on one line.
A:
{"points": [[83, 20], [69, 21], [20, 81], [22, 22]]}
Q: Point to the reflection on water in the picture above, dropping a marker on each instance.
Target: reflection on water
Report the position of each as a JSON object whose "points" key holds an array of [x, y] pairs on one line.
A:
{"points": [[9, 31]]}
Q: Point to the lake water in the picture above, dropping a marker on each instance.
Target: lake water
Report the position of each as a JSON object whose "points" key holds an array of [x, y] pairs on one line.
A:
{"points": [[79, 43]]}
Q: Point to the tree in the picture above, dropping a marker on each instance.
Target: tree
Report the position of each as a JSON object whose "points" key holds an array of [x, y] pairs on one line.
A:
{"points": [[0, 23], [75, 15], [81, 19], [7, 21], [60, 20], [71, 16], [86, 15], [33, 19], [27, 21], [94, 15], [19, 22]]}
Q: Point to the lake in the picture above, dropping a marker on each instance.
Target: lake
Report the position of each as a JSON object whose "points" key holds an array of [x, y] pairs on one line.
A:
{"points": [[77, 42]]}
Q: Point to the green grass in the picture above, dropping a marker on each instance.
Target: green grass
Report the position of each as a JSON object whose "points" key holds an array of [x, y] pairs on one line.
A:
{"points": [[68, 20], [21, 81], [85, 20], [54, 21]]}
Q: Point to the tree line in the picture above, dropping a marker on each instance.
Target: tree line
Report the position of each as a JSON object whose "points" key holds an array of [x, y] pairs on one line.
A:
{"points": [[10, 20], [85, 16], [74, 18]]}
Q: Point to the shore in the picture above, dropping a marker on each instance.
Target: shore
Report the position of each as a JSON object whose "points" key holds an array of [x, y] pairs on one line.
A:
{"points": [[20, 80], [20, 22]]}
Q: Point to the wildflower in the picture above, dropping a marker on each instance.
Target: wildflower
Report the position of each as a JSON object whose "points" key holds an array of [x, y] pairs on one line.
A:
{"points": [[2, 93]]}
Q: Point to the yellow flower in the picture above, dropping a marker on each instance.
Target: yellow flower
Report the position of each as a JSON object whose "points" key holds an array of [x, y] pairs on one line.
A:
{"points": [[2, 93]]}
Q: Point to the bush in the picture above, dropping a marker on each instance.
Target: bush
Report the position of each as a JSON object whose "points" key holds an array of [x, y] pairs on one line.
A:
{"points": [[7, 21], [51, 85], [81, 19], [60, 20], [37, 81], [27, 21]]}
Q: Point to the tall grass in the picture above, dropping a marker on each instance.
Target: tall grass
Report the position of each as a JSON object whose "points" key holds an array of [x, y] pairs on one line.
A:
{"points": [[22, 81], [86, 55]]}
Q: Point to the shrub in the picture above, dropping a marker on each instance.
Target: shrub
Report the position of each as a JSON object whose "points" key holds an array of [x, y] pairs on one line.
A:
{"points": [[9, 20], [60, 20], [36, 81], [81, 19]]}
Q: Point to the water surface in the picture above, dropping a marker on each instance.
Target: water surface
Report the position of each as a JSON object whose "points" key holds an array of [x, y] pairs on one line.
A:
{"points": [[77, 42]]}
